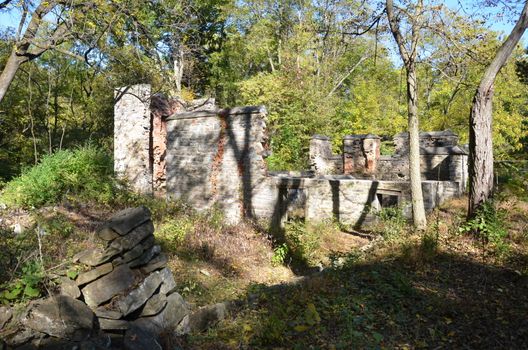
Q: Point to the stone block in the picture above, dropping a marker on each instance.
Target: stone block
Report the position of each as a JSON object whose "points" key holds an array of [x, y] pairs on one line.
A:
{"points": [[128, 219], [94, 274], [105, 288], [139, 296], [132, 137]]}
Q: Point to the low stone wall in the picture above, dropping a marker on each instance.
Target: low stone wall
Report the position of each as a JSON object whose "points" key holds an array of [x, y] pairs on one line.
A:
{"points": [[350, 201]]}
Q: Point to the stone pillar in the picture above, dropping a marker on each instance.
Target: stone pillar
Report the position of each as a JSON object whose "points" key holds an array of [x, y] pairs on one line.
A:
{"points": [[132, 125], [371, 150], [361, 154], [320, 155]]}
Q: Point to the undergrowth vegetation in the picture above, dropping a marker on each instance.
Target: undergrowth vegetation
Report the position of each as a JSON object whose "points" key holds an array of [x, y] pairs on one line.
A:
{"points": [[395, 289], [84, 174]]}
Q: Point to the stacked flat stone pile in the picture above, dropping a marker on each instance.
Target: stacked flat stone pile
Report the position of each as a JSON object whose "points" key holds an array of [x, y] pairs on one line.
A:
{"points": [[129, 282], [125, 297]]}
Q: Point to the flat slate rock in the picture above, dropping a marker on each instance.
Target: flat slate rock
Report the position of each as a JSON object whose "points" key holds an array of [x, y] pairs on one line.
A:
{"points": [[169, 284], [137, 338], [106, 313], [107, 324], [95, 256], [126, 220], [62, 317], [175, 310], [135, 252], [107, 234], [158, 262], [139, 296], [154, 305], [106, 287], [132, 239], [92, 275], [69, 287], [146, 256]]}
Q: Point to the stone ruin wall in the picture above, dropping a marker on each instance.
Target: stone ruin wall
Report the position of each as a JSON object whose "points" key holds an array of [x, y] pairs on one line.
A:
{"points": [[215, 157]]}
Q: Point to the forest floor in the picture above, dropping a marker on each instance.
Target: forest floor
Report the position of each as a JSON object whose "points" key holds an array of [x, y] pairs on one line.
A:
{"points": [[390, 288]]}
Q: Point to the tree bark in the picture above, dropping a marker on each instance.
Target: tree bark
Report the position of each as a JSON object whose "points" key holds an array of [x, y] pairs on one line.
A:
{"points": [[419, 218], [480, 122], [409, 61], [8, 73]]}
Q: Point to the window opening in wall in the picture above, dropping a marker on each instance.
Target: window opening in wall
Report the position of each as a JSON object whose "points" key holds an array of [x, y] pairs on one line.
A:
{"points": [[388, 200]]}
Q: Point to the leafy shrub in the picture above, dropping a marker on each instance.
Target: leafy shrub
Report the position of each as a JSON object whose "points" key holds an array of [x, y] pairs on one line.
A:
{"points": [[280, 253], [27, 286], [392, 222], [489, 224], [303, 240], [172, 231], [85, 172]]}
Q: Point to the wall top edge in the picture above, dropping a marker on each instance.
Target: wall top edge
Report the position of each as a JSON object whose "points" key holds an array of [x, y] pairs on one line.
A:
{"points": [[220, 112]]}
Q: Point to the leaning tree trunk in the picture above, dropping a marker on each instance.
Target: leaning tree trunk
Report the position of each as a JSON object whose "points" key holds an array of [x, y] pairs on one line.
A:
{"points": [[8, 73], [418, 208], [480, 121]]}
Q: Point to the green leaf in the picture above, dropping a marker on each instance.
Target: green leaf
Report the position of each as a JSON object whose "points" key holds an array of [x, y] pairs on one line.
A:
{"points": [[311, 315], [31, 292], [301, 328], [72, 274], [13, 293]]}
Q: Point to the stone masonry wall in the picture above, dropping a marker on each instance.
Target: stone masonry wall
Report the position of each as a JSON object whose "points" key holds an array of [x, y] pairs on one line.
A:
{"points": [[355, 202], [322, 160], [211, 157], [217, 157], [132, 137]]}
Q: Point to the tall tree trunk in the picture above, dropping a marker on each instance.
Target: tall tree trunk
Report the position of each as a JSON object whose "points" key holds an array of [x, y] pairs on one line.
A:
{"points": [[408, 57], [8, 73], [418, 208], [480, 122]]}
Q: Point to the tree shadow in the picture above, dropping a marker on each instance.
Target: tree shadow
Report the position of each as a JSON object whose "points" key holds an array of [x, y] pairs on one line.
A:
{"points": [[448, 302]]}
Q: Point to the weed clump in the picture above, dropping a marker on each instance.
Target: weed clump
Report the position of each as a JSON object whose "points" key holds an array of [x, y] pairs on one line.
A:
{"points": [[84, 172], [489, 224], [392, 222]]}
